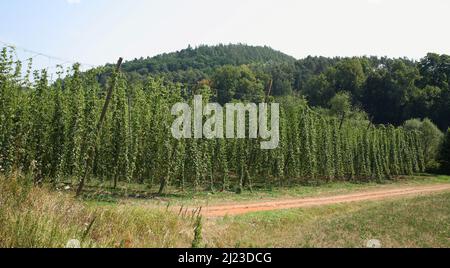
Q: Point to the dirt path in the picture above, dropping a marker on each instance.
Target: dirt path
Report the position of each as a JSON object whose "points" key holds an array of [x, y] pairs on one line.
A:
{"points": [[237, 209]]}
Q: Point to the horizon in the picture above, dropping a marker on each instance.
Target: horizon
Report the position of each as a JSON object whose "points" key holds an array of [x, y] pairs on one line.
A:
{"points": [[98, 32]]}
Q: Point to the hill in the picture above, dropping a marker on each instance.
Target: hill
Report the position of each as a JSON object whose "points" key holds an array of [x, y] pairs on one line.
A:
{"points": [[202, 61]]}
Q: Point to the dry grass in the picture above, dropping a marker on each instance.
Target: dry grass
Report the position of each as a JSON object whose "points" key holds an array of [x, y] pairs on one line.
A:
{"points": [[37, 217], [32, 217]]}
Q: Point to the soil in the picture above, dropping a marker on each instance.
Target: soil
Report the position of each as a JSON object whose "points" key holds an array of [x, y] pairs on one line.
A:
{"points": [[243, 208]]}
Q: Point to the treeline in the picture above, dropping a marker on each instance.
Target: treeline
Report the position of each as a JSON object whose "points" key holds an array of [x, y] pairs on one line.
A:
{"points": [[391, 91], [49, 129], [205, 59]]}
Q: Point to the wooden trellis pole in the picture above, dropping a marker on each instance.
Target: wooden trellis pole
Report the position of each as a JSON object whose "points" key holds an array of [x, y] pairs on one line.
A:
{"points": [[99, 127]]}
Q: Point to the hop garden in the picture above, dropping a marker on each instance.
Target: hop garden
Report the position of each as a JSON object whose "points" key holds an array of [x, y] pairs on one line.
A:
{"points": [[48, 130]]}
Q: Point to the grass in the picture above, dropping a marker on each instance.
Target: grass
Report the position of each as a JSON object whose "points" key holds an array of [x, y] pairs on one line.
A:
{"points": [[297, 191], [409, 222], [37, 217], [40, 217]]}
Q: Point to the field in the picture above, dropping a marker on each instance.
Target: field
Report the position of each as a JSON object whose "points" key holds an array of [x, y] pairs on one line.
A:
{"points": [[96, 158], [39, 217], [408, 222], [205, 125]]}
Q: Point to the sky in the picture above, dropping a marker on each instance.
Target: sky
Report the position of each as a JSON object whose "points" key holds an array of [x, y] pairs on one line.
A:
{"points": [[95, 32]]}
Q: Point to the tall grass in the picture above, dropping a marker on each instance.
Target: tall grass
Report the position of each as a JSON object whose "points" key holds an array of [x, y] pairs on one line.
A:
{"points": [[32, 217]]}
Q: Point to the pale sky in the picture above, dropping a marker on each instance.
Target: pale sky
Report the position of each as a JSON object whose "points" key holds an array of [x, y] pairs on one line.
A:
{"points": [[99, 31]]}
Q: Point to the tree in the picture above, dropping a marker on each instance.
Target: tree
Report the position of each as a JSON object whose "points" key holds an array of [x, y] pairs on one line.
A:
{"points": [[388, 91], [444, 154], [237, 83], [318, 90], [340, 106], [430, 136], [350, 76], [283, 79], [434, 69]]}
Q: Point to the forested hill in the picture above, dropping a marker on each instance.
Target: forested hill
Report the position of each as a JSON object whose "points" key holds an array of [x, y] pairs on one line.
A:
{"points": [[391, 91], [204, 59]]}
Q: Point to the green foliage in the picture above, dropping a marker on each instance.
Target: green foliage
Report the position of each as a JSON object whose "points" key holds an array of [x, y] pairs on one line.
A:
{"points": [[196, 243], [204, 59], [75, 107], [57, 132], [120, 133], [340, 104], [350, 76], [319, 90], [237, 83], [444, 154], [46, 130], [389, 90], [430, 137]]}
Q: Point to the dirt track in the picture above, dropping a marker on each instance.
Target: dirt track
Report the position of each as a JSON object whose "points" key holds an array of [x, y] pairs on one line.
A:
{"points": [[237, 209]]}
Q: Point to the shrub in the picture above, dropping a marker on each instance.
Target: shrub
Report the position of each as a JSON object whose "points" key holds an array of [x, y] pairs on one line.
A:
{"points": [[444, 154]]}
